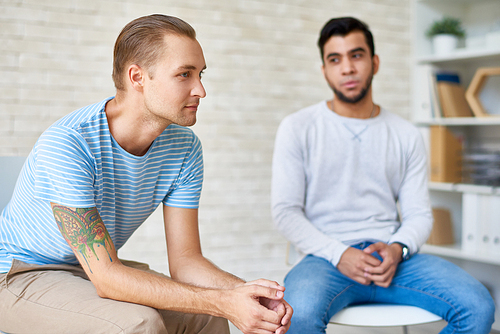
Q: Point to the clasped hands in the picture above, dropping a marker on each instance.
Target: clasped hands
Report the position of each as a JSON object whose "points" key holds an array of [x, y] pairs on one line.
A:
{"points": [[259, 308], [364, 268]]}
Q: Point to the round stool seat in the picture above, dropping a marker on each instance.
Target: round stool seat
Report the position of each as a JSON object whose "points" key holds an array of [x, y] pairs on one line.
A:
{"points": [[383, 315]]}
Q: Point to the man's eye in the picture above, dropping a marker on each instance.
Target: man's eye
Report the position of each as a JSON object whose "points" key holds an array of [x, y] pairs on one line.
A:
{"points": [[185, 74], [357, 55], [201, 74]]}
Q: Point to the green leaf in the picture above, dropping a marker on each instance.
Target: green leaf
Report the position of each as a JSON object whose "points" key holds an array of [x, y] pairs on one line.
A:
{"points": [[448, 25]]}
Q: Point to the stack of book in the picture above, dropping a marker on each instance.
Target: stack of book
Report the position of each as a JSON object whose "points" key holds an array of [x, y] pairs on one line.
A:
{"points": [[481, 167]]}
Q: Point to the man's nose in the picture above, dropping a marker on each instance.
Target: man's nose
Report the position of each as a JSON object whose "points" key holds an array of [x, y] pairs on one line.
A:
{"points": [[198, 90]]}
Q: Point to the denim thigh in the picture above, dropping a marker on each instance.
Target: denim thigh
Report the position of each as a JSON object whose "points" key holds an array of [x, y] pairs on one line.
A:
{"points": [[442, 288]]}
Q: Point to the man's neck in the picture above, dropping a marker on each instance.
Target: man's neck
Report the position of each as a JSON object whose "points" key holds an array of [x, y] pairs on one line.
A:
{"points": [[128, 126], [363, 109]]}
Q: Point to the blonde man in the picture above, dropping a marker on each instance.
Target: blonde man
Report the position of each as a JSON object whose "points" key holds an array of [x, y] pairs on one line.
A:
{"points": [[91, 180]]}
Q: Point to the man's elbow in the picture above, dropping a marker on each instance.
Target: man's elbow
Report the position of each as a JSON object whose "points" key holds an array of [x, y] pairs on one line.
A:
{"points": [[175, 274], [105, 286], [102, 290], [181, 268], [101, 293], [281, 215]]}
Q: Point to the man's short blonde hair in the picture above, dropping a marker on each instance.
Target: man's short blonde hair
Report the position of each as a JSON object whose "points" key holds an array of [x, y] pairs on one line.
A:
{"points": [[141, 42]]}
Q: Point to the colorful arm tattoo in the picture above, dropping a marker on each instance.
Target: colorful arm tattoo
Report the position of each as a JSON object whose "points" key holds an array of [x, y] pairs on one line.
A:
{"points": [[83, 230]]}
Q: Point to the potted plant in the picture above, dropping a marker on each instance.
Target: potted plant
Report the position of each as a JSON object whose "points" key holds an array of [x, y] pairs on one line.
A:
{"points": [[445, 34]]}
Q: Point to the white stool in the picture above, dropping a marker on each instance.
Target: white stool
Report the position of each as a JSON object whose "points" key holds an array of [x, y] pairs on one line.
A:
{"points": [[383, 315]]}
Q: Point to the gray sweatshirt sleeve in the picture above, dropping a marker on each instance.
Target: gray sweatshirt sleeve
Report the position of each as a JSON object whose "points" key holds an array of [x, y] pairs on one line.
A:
{"points": [[416, 215], [288, 197]]}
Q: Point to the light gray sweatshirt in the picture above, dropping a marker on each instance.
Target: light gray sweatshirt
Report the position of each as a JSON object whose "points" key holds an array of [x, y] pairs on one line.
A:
{"points": [[337, 180]]}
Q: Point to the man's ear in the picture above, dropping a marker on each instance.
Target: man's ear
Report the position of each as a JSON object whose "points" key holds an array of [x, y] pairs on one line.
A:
{"points": [[376, 63], [136, 76]]}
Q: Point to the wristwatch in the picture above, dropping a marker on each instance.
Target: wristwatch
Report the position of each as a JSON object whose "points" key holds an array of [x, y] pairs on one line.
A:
{"points": [[405, 255]]}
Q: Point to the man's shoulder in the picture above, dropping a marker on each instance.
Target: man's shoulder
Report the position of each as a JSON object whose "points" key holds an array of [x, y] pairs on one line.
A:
{"points": [[398, 122], [305, 115], [82, 116], [402, 128], [75, 129], [310, 110]]}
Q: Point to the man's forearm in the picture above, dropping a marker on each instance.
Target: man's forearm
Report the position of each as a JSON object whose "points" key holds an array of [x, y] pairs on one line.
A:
{"points": [[199, 271], [239, 305], [136, 286]]}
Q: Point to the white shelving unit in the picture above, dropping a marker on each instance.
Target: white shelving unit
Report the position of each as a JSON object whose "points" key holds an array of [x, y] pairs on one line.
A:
{"points": [[486, 241], [461, 121], [461, 56], [475, 209]]}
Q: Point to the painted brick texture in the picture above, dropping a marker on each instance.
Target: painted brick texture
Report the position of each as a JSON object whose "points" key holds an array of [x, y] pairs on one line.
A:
{"points": [[263, 63]]}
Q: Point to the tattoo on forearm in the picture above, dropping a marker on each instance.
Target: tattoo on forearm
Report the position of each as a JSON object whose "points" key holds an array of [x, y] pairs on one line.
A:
{"points": [[83, 229]]}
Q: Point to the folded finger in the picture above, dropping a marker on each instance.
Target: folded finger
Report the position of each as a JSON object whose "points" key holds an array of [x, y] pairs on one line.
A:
{"points": [[266, 292], [288, 315], [280, 310], [379, 270], [270, 317], [369, 260], [266, 283]]}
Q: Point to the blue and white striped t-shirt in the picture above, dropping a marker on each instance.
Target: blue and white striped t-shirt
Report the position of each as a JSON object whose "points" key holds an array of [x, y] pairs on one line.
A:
{"points": [[77, 163]]}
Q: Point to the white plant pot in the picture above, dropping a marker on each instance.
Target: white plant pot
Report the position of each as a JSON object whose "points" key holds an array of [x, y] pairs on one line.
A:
{"points": [[444, 44]]}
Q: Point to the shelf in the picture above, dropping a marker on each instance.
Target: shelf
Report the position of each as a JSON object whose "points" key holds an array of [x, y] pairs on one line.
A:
{"points": [[460, 121], [454, 251], [452, 2], [461, 55], [474, 209], [464, 188]]}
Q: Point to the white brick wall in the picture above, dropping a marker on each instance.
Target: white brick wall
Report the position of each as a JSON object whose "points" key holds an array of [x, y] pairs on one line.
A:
{"points": [[263, 63]]}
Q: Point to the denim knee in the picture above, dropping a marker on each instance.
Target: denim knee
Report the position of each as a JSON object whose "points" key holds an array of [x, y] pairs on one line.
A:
{"points": [[307, 319], [309, 308], [482, 312], [489, 311], [476, 314]]}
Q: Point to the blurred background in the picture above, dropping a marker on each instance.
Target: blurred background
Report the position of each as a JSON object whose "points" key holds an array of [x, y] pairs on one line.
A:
{"points": [[263, 64]]}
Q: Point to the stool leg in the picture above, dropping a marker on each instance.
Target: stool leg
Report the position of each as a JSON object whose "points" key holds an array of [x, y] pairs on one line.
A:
{"points": [[405, 329]]}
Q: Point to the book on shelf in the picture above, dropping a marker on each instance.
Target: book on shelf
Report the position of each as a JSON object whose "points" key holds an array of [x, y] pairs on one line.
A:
{"points": [[445, 155], [452, 95], [434, 97], [447, 95], [442, 230]]}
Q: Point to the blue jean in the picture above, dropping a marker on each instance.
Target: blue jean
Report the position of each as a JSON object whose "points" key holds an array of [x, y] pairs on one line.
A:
{"points": [[317, 290]]}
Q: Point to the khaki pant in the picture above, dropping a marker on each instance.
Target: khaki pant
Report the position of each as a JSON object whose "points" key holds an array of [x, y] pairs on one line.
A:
{"points": [[61, 299]]}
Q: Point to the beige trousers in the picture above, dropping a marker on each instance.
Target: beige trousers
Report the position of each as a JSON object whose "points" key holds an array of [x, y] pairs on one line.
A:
{"points": [[61, 299]]}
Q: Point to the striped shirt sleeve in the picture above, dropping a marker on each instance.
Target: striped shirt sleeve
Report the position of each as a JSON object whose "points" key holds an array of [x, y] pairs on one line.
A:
{"points": [[64, 171], [187, 191]]}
